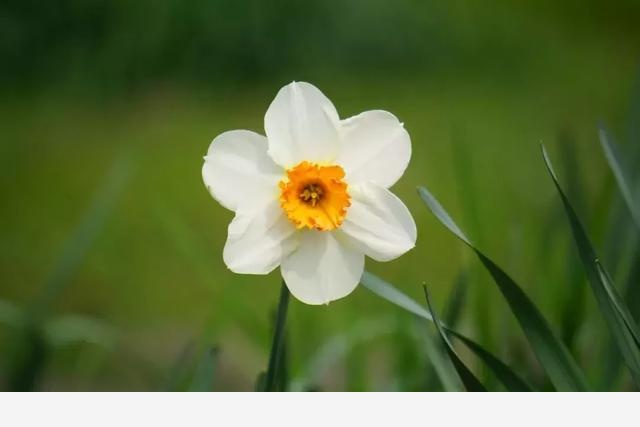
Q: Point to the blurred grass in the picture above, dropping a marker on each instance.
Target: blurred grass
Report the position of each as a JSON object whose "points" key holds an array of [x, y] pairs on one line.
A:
{"points": [[499, 86]]}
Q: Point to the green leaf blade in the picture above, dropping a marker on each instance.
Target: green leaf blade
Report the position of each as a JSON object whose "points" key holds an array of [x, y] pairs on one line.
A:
{"points": [[457, 299], [612, 155], [471, 383], [390, 293], [506, 375], [385, 290], [552, 354], [442, 215], [203, 377], [442, 366], [615, 312]]}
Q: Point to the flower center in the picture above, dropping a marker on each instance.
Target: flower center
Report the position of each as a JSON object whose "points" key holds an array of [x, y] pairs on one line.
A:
{"points": [[311, 194], [315, 196]]}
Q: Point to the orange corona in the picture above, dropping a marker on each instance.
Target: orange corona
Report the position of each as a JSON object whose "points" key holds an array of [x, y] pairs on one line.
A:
{"points": [[315, 196]]}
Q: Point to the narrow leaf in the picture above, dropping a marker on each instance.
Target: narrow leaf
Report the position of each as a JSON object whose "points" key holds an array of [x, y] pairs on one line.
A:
{"points": [[510, 379], [456, 300], [390, 293], [442, 215], [32, 346], [80, 240], [471, 383], [393, 295], [615, 312], [441, 364], [623, 180], [205, 371], [552, 354]]}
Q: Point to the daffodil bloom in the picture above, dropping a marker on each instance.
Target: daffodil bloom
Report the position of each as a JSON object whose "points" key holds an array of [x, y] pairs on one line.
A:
{"points": [[313, 195]]}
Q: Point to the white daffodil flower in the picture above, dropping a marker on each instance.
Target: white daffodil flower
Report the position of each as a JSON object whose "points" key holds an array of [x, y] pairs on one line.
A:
{"points": [[312, 196]]}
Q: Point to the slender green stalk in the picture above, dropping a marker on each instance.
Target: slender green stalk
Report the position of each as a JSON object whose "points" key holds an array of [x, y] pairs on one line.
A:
{"points": [[278, 337]]}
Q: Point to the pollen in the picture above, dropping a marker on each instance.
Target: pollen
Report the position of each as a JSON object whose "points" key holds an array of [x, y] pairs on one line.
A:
{"points": [[314, 196]]}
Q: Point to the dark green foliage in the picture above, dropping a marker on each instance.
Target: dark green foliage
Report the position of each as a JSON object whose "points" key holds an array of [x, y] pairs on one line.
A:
{"points": [[471, 383], [615, 312], [552, 354], [27, 357], [508, 377]]}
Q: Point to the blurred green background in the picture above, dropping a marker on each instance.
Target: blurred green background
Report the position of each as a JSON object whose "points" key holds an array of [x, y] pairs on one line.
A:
{"points": [[111, 272]]}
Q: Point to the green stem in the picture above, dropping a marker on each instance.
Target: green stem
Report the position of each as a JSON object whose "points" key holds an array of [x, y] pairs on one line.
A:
{"points": [[278, 338]]}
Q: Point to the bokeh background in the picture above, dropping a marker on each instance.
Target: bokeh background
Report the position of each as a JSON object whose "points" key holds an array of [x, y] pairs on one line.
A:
{"points": [[111, 273]]}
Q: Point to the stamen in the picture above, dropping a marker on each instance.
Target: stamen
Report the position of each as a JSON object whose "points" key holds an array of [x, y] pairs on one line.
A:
{"points": [[311, 194]]}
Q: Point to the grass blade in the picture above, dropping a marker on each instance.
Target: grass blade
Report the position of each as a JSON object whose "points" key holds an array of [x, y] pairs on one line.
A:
{"points": [[509, 378], [615, 312], [573, 296], [390, 293], [443, 369], [79, 242], [275, 358], [456, 301], [617, 302], [622, 177], [204, 374], [552, 354], [471, 383], [32, 348]]}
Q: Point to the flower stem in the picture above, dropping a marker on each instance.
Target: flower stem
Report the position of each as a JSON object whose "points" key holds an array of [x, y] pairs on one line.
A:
{"points": [[275, 357]]}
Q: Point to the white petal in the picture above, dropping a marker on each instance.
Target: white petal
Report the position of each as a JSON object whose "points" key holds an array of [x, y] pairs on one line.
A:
{"points": [[258, 240], [301, 124], [375, 147], [322, 269], [238, 172], [378, 223]]}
